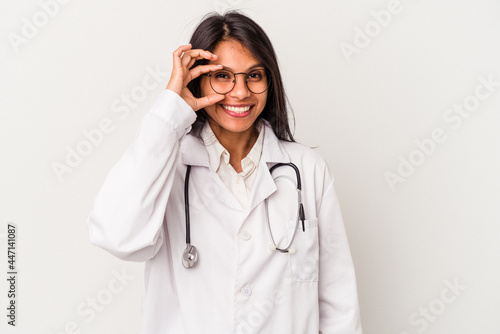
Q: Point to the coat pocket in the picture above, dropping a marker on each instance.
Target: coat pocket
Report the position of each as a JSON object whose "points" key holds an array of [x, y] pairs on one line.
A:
{"points": [[304, 255]]}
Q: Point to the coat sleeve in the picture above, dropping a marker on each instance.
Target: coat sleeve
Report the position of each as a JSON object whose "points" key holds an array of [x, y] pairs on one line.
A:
{"points": [[338, 298], [130, 207]]}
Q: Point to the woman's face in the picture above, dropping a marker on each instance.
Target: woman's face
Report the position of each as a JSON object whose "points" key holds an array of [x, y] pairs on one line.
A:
{"points": [[240, 107]]}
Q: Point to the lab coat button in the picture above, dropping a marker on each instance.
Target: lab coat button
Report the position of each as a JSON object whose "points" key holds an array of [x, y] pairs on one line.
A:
{"points": [[246, 235], [246, 291]]}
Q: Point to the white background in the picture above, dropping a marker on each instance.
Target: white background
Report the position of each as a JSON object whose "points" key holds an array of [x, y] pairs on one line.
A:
{"points": [[364, 112]]}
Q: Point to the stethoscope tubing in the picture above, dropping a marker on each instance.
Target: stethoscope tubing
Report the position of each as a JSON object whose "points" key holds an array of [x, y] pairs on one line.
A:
{"points": [[190, 254], [186, 205]]}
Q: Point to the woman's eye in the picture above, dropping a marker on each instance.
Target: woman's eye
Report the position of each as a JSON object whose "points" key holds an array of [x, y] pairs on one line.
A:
{"points": [[255, 75], [222, 75]]}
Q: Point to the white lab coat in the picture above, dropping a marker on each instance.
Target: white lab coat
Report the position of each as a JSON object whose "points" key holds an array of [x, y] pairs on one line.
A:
{"points": [[239, 285]]}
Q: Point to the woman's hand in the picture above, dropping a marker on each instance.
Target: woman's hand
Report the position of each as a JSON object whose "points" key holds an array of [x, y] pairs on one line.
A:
{"points": [[184, 58]]}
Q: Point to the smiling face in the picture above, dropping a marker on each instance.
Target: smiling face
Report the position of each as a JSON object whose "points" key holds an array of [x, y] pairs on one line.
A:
{"points": [[239, 109]]}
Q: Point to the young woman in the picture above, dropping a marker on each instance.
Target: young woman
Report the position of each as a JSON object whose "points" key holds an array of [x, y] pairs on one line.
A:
{"points": [[238, 224]]}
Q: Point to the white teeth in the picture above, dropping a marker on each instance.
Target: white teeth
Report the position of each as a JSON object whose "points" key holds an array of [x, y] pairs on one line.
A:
{"points": [[237, 109]]}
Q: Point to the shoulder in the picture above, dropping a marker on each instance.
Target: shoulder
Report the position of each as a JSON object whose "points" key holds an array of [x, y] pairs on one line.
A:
{"points": [[310, 160], [300, 149], [302, 152]]}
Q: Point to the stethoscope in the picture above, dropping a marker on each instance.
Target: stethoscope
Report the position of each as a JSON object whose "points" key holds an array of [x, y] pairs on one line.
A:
{"points": [[190, 254]]}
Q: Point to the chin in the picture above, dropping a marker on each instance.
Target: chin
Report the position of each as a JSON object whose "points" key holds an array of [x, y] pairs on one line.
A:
{"points": [[232, 127]]}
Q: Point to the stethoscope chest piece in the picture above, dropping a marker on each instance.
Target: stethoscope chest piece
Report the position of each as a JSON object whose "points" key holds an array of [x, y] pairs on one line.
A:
{"points": [[189, 257]]}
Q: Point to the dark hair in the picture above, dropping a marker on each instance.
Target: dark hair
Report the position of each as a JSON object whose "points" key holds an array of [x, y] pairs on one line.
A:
{"points": [[233, 25]]}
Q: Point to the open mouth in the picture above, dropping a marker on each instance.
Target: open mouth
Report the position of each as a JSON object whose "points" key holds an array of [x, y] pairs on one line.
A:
{"points": [[237, 111]]}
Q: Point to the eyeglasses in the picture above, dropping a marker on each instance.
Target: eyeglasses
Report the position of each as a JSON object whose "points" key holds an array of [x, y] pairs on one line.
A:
{"points": [[223, 81]]}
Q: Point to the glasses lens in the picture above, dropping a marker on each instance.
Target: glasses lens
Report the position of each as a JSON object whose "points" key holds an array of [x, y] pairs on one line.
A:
{"points": [[222, 81], [257, 81]]}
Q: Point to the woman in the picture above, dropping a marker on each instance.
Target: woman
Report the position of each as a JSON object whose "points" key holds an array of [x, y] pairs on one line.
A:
{"points": [[258, 266]]}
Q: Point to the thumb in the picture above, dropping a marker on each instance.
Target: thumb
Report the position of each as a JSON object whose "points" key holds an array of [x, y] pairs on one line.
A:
{"points": [[208, 100]]}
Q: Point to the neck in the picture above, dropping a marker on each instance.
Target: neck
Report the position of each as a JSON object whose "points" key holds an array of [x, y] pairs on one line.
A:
{"points": [[238, 144]]}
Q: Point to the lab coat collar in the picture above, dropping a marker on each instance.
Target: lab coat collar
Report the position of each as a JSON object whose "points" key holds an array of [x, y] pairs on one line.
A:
{"points": [[218, 155], [194, 153]]}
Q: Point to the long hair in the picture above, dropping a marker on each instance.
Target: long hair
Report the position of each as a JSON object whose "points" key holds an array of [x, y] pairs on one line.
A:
{"points": [[215, 28]]}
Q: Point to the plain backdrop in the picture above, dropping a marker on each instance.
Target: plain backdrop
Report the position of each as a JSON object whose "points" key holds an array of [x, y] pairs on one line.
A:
{"points": [[368, 90]]}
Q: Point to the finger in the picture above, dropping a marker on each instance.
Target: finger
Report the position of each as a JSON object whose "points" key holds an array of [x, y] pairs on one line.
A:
{"points": [[208, 100], [199, 70], [189, 58], [178, 53], [203, 55]]}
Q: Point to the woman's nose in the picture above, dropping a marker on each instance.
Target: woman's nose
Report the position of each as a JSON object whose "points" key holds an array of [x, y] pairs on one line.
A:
{"points": [[240, 89]]}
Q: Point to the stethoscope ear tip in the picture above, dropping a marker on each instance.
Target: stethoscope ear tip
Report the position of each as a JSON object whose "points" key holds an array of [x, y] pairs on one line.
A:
{"points": [[272, 247]]}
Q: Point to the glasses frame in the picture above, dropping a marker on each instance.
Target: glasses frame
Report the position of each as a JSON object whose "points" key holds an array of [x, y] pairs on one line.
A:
{"points": [[234, 81]]}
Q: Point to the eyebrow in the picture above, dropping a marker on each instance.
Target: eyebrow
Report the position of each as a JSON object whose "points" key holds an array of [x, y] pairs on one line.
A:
{"points": [[250, 68]]}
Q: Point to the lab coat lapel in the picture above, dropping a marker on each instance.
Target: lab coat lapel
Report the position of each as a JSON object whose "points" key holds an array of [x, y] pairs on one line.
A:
{"points": [[193, 152], [272, 152]]}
